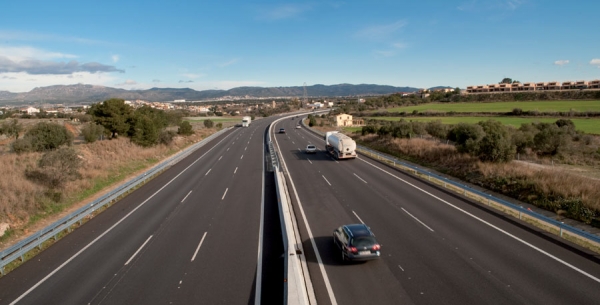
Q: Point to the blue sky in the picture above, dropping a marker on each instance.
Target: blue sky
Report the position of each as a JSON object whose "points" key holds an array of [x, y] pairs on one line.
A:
{"points": [[225, 44]]}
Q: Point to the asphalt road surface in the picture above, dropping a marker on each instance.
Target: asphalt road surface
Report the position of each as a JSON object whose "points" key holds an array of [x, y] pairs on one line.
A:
{"points": [[437, 248], [189, 236]]}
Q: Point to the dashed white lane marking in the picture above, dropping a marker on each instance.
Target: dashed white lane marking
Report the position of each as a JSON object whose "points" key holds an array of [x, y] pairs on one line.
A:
{"points": [[199, 245], [138, 251], [326, 180], [208, 172], [224, 194], [358, 217], [186, 196], [417, 219], [235, 171], [361, 179]]}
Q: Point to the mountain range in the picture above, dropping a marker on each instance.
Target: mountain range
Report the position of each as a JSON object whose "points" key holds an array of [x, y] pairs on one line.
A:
{"points": [[81, 93]]}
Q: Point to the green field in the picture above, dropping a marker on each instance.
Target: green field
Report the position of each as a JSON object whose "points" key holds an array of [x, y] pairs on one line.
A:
{"points": [[541, 106], [591, 126]]}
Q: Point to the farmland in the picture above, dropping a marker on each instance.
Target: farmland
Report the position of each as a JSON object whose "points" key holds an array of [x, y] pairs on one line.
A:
{"points": [[500, 107], [591, 126]]}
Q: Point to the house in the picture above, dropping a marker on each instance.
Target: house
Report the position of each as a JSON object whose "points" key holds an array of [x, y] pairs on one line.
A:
{"points": [[32, 110], [343, 119]]}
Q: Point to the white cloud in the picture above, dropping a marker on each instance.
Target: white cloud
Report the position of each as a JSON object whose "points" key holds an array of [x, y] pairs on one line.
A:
{"points": [[229, 63], [379, 32], [561, 62], [25, 52], [285, 11], [192, 75], [115, 58], [23, 82], [595, 62], [129, 82]]}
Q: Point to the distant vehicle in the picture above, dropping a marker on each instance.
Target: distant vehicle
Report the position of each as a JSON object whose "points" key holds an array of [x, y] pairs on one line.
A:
{"points": [[340, 145], [298, 127], [246, 121], [281, 130], [356, 242], [311, 149]]}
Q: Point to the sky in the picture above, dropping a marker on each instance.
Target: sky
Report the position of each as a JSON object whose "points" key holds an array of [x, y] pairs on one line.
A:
{"points": [[134, 44]]}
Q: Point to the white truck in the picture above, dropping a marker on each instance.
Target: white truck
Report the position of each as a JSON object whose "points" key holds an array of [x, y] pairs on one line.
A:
{"points": [[340, 145], [246, 121]]}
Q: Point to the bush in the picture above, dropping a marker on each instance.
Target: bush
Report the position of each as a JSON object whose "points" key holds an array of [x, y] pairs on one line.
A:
{"points": [[145, 132], [436, 129], [185, 128], [496, 145], [209, 123], [219, 125], [44, 137], [466, 136], [56, 167], [91, 132], [166, 137]]}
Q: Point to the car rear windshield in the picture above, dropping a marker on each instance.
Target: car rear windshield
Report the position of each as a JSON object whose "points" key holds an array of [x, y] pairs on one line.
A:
{"points": [[366, 241]]}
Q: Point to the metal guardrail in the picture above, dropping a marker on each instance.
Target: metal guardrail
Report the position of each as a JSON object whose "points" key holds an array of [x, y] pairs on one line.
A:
{"points": [[18, 250], [297, 287], [546, 223]]}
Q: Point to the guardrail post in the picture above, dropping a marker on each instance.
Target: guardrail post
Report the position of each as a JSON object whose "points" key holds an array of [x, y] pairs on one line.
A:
{"points": [[2, 270], [560, 229]]}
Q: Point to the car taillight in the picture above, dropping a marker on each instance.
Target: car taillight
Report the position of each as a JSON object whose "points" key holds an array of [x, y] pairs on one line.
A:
{"points": [[376, 247], [352, 249]]}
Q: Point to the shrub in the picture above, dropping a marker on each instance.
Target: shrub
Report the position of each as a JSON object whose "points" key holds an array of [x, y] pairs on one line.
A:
{"points": [[466, 136], [185, 128], [496, 145], [44, 137], [208, 123], [91, 131], [56, 167], [166, 137], [436, 129], [145, 132]]}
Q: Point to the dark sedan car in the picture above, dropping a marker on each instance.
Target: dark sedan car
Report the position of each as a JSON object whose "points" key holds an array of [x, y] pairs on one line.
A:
{"points": [[356, 242]]}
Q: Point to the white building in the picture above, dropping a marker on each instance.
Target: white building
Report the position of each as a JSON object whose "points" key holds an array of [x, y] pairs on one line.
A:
{"points": [[32, 110]]}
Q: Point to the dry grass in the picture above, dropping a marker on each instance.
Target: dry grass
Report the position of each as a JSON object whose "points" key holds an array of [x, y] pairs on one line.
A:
{"points": [[547, 185], [24, 205]]}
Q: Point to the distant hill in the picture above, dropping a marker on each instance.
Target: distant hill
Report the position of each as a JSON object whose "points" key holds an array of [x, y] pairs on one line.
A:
{"points": [[89, 93]]}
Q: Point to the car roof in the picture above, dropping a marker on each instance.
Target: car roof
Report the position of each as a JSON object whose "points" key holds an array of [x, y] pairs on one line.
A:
{"points": [[358, 230]]}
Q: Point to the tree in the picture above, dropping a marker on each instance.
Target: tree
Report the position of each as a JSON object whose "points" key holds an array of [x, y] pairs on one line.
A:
{"points": [[466, 136], [549, 139], [496, 145], [114, 115], [506, 80], [436, 129], [185, 128], [11, 128], [145, 131], [208, 123]]}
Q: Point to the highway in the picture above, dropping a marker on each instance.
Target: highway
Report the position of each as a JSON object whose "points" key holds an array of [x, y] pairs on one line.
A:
{"points": [[189, 236], [437, 248]]}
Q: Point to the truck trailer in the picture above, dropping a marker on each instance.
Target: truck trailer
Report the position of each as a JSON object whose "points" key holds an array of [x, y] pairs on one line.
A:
{"points": [[246, 121], [340, 145]]}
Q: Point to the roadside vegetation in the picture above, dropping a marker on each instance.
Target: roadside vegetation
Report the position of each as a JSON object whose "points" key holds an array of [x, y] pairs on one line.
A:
{"points": [[51, 165], [488, 150]]}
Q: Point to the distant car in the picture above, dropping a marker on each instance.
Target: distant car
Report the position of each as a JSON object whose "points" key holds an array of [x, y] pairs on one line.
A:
{"points": [[356, 242], [281, 130], [298, 127], [311, 149]]}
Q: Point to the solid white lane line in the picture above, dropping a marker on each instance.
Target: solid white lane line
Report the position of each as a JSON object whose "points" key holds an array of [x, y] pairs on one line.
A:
{"points": [[186, 196], [358, 217], [489, 224], [332, 298], [199, 245], [417, 219], [326, 180], [235, 171], [109, 229], [138, 251], [224, 194], [242, 157], [208, 172], [311, 163], [361, 179]]}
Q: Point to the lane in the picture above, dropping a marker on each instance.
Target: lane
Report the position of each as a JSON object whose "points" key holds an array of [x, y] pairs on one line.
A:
{"points": [[433, 252], [157, 236]]}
